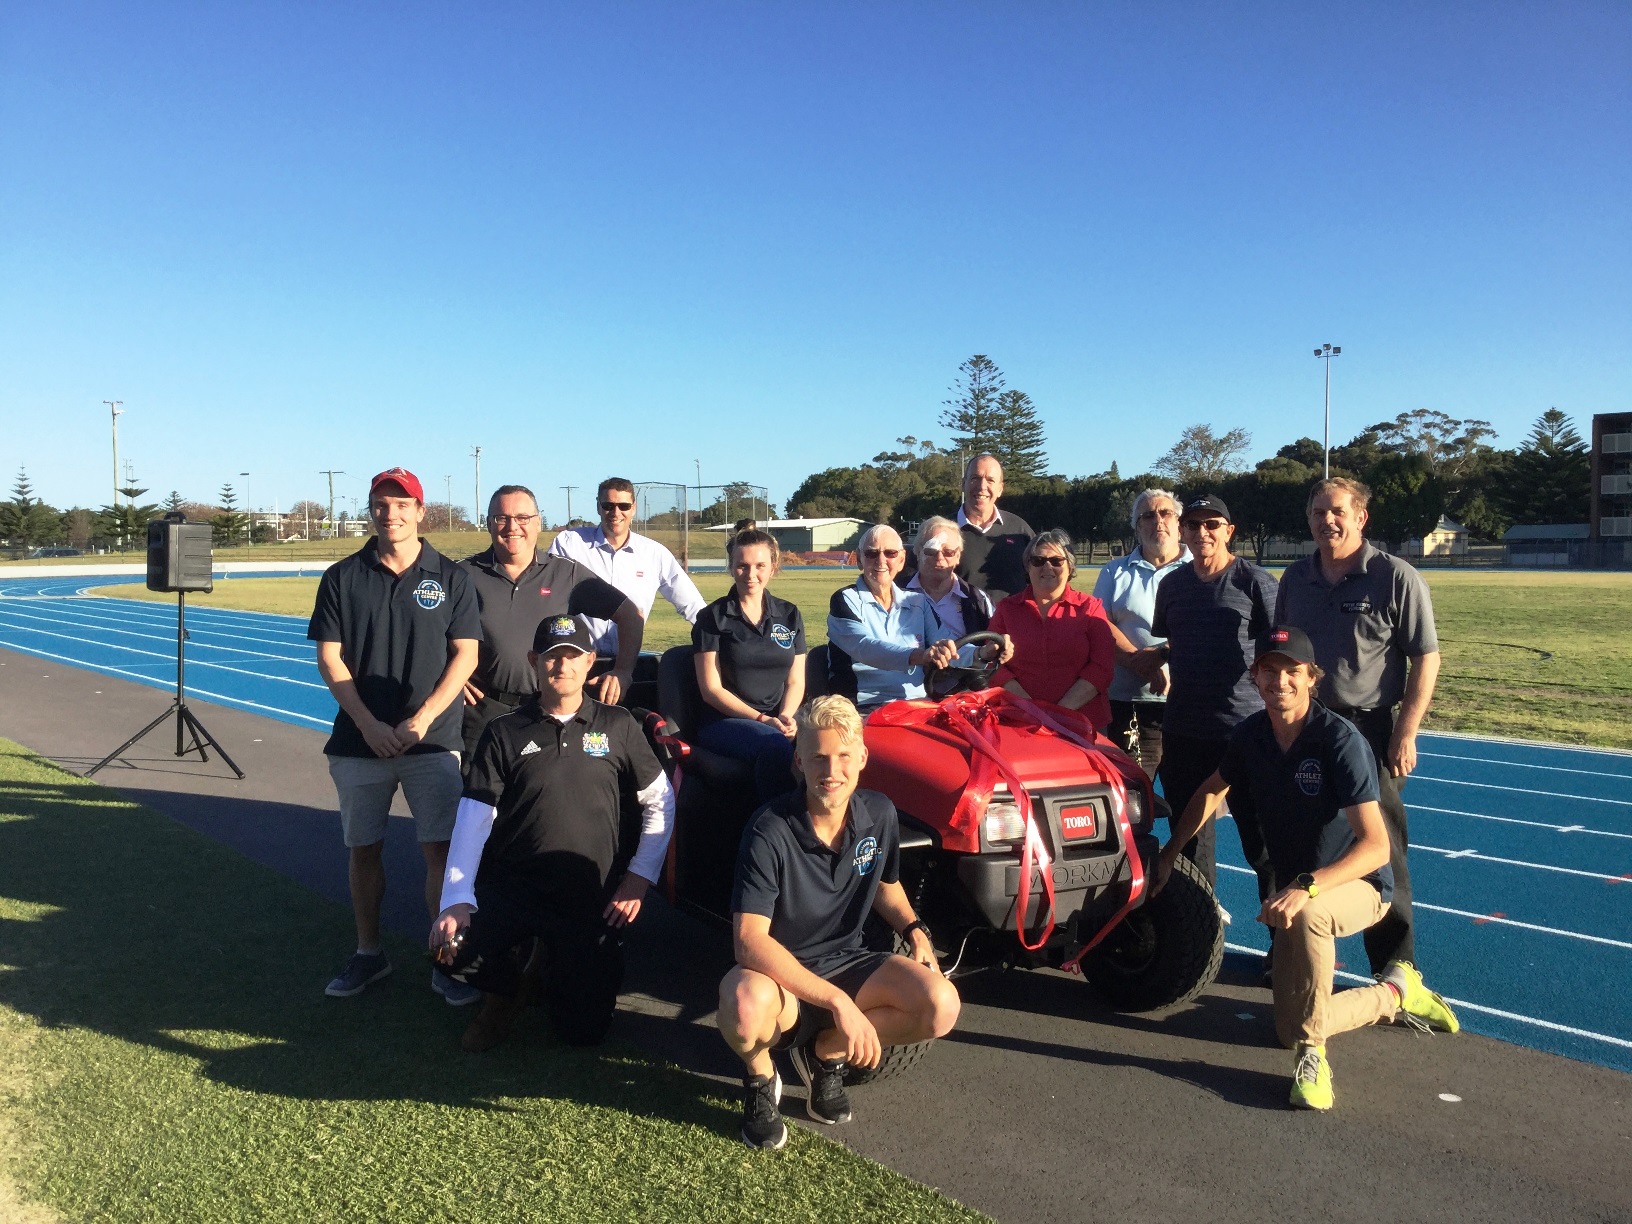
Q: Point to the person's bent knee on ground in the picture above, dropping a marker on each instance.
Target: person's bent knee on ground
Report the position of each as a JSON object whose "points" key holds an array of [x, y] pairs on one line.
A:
{"points": [[536, 852], [1312, 789], [750, 661], [882, 639], [812, 866]]}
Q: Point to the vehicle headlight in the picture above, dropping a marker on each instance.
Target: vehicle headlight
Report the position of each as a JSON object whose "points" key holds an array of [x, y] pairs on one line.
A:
{"points": [[1136, 806], [1004, 822]]}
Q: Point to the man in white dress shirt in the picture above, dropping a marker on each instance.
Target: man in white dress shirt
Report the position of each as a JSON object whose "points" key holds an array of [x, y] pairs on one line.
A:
{"points": [[637, 565]]}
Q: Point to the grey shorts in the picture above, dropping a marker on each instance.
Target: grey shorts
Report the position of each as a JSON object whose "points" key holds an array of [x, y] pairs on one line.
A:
{"points": [[430, 782]]}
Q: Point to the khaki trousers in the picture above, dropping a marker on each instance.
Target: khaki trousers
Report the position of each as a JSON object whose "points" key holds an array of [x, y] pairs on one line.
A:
{"points": [[1306, 1010]]}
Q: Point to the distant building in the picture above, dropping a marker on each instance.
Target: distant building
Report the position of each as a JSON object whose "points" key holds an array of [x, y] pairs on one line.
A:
{"points": [[811, 535], [1545, 545], [1448, 539], [1610, 513]]}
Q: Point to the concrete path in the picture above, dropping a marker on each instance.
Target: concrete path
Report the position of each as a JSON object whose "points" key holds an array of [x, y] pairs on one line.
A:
{"points": [[1042, 1106]]}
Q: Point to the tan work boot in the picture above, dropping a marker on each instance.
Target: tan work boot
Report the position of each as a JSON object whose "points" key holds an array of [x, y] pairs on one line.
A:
{"points": [[492, 1024]]}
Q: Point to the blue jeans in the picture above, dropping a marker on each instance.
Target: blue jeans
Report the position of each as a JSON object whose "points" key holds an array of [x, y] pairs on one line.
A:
{"points": [[761, 744]]}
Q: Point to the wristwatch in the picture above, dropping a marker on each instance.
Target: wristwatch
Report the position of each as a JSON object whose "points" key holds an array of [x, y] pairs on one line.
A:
{"points": [[1307, 883], [917, 925]]}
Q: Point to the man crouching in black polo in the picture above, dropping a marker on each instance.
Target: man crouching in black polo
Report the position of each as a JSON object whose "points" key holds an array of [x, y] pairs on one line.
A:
{"points": [[535, 846], [813, 864]]}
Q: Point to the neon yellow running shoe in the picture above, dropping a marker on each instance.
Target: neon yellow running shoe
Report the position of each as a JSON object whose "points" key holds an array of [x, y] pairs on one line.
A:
{"points": [[1312, 1079], [1421, 1007]]}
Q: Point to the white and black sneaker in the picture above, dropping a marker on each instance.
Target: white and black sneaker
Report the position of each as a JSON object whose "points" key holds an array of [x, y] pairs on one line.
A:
{"points": [[825, 1098], [762, 1125]]}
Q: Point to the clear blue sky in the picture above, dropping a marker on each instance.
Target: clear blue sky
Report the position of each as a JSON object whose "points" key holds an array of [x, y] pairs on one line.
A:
{"points": [[620, 237]]}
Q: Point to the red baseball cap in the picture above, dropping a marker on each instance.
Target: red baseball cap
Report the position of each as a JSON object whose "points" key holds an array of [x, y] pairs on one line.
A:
{"points": [[399, 476]]}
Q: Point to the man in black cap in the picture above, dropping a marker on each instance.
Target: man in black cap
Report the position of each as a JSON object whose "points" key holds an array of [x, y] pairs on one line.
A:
{"points": [[517, 587], [1313, 787], [536, 848], [1209, 611]]}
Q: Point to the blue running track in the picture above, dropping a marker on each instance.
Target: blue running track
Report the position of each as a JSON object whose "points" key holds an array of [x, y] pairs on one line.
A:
{"points": [[1521, 854]]}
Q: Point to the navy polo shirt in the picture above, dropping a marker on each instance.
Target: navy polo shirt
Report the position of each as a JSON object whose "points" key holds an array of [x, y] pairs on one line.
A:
{"points": [[558, 788], [394, 631], [817, 896], [1210, 627], [754, 659], [512, 610], [1299, 795]]}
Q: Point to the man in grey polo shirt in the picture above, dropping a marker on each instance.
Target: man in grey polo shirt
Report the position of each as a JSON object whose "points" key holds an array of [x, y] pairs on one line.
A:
{"points": [[517, 587], [1372, 623]]}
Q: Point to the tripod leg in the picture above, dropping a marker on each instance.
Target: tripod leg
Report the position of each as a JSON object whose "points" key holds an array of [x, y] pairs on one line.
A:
{"points": [[175, 708], [183, 714], [199, 730]]}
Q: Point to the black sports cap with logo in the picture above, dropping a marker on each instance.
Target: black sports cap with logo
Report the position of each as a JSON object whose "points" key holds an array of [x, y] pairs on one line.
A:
{"points": [[1207, 506], [570, 631], [1285, 640]]}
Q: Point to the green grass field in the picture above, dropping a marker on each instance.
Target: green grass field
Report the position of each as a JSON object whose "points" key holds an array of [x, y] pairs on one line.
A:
{"points": [[167, 1055], [1529, 655]]}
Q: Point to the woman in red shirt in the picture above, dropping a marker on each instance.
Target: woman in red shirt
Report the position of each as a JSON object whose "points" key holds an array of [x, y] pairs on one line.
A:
{"points": [[1063, 649]]}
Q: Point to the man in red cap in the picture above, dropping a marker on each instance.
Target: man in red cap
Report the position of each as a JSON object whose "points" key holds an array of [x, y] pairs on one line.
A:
{"points": [[396, 626]]}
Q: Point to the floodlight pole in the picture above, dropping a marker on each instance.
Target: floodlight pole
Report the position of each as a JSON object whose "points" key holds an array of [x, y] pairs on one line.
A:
{"points": [[569, 489], [249, 507], [331, 473], [115, 406], [448, 480], [1326, 352], [476, 453]]}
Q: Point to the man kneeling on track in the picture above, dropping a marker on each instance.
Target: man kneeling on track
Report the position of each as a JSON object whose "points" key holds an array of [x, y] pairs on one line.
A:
{"points": [[535, 846], [1313, 784], [813, 864]]}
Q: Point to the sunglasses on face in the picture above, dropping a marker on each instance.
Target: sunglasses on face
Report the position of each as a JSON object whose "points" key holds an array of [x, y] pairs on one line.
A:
{"points": [[1053, 562], [624, 506], [501, 521], [873, 554], [1210, 526]]}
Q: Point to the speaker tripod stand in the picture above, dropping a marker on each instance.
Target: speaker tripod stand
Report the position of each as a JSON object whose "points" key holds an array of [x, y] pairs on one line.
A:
{"points": [[187, 723]]}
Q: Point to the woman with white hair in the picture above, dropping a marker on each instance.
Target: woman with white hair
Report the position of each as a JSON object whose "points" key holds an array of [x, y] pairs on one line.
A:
{"points": [[962, 608], [879, 637], [1127, 588]]}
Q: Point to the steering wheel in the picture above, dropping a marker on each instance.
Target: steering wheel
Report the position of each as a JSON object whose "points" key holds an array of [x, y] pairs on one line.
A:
{"points": [[942, 682]]}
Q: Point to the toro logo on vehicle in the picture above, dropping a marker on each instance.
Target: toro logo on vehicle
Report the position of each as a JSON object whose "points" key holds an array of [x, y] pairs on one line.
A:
{"points": [[1308, 777], [782, 636], [866, 853], [1078, 822], [429, 594]]}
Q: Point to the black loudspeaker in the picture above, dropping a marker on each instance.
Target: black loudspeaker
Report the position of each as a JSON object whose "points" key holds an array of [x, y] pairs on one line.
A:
{"points": [[178, 555]]}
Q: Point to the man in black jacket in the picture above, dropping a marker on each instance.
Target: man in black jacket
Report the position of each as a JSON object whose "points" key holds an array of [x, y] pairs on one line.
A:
{"points": [[993, 540]]}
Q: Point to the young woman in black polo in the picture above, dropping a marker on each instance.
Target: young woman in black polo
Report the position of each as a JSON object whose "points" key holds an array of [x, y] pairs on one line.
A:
{"points": [[750, 660]]}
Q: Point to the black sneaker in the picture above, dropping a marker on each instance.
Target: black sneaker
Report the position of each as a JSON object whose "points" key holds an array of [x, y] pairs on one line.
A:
{"points": [[762, 1125], [825, 1098], [361, 972]]}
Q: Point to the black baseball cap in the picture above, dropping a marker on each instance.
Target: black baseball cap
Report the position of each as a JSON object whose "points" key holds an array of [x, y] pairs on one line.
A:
{"points": [[556, 631], [1285, 640], [1208, 505]]}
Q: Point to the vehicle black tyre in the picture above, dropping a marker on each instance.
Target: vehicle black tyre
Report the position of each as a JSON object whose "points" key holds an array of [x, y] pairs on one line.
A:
{"points": [[896, 1060], [1167, 951]]}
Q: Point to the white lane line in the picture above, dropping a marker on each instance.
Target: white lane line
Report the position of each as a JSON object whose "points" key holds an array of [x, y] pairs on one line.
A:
{"points": [[1534, 824], [1550, 745], [214, 616], [1478, 1007], [153, 654], [91, 618], [1522, 790], [146, 637], [1527, 926], [1591, 773], [1491, 858], [153, 682]]}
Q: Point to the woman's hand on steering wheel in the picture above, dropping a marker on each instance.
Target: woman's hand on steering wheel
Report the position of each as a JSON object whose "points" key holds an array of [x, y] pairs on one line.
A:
{"points": [[975, 677]]}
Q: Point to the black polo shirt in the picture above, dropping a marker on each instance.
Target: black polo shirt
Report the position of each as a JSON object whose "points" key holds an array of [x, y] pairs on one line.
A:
{"points": [[1299, 795], [754, 659], [559, 788], [1210, 626], [994, 561], [394, 632], [550, 586], [817, 896]]}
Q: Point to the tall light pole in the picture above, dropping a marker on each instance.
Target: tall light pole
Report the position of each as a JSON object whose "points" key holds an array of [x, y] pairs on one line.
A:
{"points": [[569, 489], [476, 453], [1326, 352], [448, 480], [331, 473], [115, 407], [250, 507]]}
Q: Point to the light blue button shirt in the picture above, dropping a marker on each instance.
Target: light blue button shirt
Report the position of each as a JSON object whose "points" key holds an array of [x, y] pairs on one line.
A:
{"points": [[1127, 588], [879, 641]]}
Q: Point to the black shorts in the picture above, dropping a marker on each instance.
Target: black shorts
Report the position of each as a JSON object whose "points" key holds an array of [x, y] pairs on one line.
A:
{"points": [[812, 1019]]}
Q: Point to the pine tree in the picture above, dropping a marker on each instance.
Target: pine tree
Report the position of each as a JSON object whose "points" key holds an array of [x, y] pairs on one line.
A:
{"points": [[175, 501], [1019, 437], [26, 520], [1552, 474], [973, 415]]}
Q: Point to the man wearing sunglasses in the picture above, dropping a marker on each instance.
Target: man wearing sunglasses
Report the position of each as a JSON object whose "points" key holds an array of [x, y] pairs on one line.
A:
{"points": [[1210, 612], [518, 587], [637, 565]]}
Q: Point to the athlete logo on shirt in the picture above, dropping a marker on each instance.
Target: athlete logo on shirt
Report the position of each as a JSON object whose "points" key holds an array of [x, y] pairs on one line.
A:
{"points": [[782, 636], [866, 852], [429, 594], [1307, 776], [596, 744]]}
